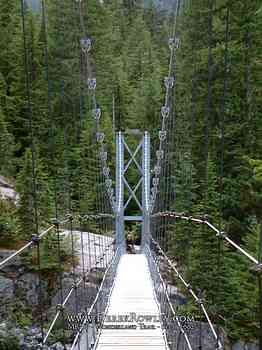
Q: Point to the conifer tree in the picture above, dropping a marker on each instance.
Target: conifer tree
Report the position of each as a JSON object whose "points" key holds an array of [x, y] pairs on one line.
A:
{"points": [[7, 147], [34, 208]]}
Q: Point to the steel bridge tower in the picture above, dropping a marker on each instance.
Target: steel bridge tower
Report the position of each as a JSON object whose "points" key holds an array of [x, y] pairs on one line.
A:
{"points": [[140, 157]]}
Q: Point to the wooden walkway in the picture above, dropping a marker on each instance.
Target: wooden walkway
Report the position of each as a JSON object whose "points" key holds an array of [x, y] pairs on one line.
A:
{"points": [[132, 318]]}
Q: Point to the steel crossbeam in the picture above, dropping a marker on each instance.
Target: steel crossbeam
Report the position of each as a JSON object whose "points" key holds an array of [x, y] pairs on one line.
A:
{"points": [[125, 157]]}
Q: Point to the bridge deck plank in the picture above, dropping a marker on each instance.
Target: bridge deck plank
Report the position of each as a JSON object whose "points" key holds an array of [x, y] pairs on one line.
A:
{"points": [[132, 295]]}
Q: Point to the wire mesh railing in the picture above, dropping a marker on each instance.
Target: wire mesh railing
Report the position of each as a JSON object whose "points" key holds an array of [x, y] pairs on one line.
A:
{"points": [[88, 333], [181, 330], [65, 266], [176, 336]]}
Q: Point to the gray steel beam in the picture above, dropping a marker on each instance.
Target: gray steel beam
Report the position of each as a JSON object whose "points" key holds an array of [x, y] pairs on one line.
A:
{"points": [[120, 234], [122, 183], [146, 190]]}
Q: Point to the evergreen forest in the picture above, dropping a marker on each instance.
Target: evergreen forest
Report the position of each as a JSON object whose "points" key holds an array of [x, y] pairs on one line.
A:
{"points": [[48, 133]]}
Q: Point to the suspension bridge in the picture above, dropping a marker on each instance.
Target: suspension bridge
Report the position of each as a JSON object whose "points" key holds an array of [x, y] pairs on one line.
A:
{"points": [[132, 307]]}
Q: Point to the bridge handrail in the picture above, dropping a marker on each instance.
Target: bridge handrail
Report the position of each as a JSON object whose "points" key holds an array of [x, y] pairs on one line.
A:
{"points": [[113, 261], [169, 302], [219, 233], [60, 307], [35, 238], [33, 241], [198, 300]]}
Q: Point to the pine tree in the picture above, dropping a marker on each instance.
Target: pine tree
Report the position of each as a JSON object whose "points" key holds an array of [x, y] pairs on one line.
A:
{"points": [[204, 270], [34, 208], [7, 147], [87, 170]]}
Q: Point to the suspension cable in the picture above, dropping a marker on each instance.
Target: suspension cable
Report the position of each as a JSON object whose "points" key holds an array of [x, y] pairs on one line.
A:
{"points": [[222, 146], [219, 233], [169, 82]]}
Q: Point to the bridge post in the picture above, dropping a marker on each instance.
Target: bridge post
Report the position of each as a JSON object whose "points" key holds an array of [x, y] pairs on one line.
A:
{"points": [[119, 209], [146, 190], [122, 183]]}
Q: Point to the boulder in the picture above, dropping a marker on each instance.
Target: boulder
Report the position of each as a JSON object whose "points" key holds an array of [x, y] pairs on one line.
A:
{"points": [[7, 190], [240, 345], [6, 288], [85, 295], [57, 346], [27, 287]]}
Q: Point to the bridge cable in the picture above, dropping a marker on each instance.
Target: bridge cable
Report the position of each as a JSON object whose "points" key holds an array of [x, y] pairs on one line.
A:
{"points": [[198, 300], [169, 82], [91, 83], [80, 174], [222, 144], [203, 220], [33, 158], [61, 306]]}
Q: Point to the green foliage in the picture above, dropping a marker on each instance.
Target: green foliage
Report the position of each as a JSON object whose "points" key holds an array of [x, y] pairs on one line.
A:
{"points": [[35, 200], [7, 148], [9, 343], [129, 58], [233, 190]]}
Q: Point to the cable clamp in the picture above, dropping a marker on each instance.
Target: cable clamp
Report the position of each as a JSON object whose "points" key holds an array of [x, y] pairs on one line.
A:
{"points": [[91, 83], [220, 234], [165, 110], [188, 286], [85, 42], [200, 301], [96, 113], [174, 43], [257, 268], [260, 266], [162, 135], [35, 239], [74, 285], [55, 221], [202, 218], [169, 82], [69, 217], [60, 308], [81, 218]]}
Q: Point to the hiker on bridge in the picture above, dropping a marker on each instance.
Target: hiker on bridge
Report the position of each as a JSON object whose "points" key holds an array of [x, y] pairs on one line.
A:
{"points": [[130, 243]]}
